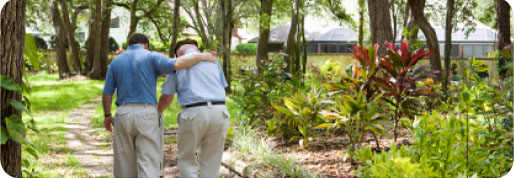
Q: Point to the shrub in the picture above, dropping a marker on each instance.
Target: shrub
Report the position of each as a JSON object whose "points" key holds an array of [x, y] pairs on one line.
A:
{"points": [[300, 114], [260, 90], [40, 43], [113, 46], [246, 48]]}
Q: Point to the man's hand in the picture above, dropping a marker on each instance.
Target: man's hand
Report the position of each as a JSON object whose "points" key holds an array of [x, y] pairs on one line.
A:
{"points": [[206, 56], [107, 123]]}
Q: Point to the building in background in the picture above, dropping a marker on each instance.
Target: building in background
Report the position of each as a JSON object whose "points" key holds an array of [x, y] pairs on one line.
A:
{"points": [[340, 40]]}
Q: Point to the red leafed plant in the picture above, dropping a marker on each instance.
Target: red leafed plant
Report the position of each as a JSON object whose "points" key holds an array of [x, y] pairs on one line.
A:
{"points": [[400, 79]]}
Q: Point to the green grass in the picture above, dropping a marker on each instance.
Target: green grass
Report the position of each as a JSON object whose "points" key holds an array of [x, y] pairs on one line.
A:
{"points": [[50, 94], [49, 142]]}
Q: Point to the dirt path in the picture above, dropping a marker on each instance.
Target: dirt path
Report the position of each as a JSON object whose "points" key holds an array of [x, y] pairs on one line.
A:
{"points": [[94, 154]]}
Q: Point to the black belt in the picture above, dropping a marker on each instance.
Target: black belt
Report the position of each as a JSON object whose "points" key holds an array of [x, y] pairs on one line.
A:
{"points": [[205, 104]]}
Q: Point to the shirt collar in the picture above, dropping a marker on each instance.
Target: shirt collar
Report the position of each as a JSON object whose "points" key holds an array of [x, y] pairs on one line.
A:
{"points": [[134, 46], [191, 51]]}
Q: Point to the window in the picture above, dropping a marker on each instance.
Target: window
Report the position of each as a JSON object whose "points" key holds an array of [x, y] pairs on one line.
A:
{"points": [[478, 51], [467, 51], [341, 48], [115, 23]]}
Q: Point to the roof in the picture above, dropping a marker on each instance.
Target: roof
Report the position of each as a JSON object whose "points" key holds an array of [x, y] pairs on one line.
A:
{"points": [[280, 33], [481, 34]]}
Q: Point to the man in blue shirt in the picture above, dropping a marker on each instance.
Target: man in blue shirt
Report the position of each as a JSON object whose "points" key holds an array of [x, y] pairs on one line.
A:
{"points": [[203, 121], [138, 132]]}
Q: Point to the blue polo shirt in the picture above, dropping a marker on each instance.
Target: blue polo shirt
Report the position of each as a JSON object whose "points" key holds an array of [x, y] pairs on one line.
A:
{"points": [[203, 82], [133, 74]]}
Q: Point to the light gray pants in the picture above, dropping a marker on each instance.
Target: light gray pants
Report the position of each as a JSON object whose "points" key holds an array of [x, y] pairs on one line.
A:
{"points": [[138, 141], [203, 127]]}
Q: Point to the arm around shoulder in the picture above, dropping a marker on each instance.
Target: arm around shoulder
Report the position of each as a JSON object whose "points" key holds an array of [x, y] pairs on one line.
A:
{"points": [[185, 62]]}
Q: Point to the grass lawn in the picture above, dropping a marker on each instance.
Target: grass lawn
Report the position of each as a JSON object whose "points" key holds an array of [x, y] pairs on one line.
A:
{"points": [[50, 94]]}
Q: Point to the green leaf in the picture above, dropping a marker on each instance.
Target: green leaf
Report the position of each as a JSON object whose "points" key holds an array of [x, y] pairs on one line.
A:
{"points": [[32, 152], [294, 138], [9, 84], [283, 110], [30, 50], [19, 106], [302, 130], [4, 135], [15, 127], [465, 96], [324, 125]]}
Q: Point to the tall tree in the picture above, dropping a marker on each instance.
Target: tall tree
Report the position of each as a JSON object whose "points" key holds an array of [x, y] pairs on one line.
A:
{"points": [[176, 27], [59, 40], [12, 38], [417, 10], [291, 37], [503, 23], [448, 43], [225, 26], [70, 30], [95, 40], [264, 32], [104, 36], [380, 23]]}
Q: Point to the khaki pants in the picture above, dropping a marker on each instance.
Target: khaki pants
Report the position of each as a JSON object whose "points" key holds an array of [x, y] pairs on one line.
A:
{"points": [[204, 127], [138, 141]]}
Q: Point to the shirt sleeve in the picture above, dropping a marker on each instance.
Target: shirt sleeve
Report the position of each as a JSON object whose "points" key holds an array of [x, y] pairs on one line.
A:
{"points": [[222, 76], [170, 85], [110, 84], [162, 64]]}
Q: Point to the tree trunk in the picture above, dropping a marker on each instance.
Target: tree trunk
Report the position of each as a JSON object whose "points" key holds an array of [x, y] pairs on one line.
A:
{"points": [[503, 22], [96, 71], [264, 32], [59, 40], [395, 20], [74, 46], [134, 19], [380, 23], [12, 40], [448, 45], [176, 24], [228, 25], [361, 22], [104, 48], [201, 28], [224, 34], [406, 22], [430, 35], [93, 33], [291, 42]]}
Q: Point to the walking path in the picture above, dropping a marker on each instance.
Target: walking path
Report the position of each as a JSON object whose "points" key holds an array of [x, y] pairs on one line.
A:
{"points": [[95, 154]]}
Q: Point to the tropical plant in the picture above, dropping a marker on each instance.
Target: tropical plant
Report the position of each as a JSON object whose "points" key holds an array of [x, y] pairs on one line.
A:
{"points": [[355, 115], [300, 114], [400, 80]]}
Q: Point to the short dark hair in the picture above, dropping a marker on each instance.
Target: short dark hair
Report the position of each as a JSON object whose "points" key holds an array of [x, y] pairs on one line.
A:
{"points": [[137, 38], [184, 42]]}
